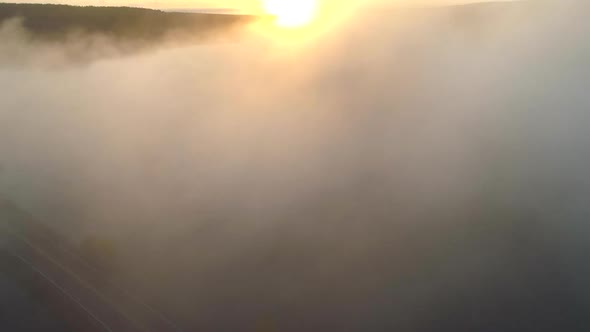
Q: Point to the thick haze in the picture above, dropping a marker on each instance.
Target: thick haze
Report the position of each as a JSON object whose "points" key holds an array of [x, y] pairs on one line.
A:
{"points": [[409, 170]]}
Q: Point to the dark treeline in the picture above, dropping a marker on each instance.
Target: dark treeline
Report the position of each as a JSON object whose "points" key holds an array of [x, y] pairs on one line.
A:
{"points": [[55, 22]]}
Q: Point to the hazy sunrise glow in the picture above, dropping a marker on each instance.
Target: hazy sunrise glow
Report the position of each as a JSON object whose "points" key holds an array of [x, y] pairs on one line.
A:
{"points": [[291, 13]]}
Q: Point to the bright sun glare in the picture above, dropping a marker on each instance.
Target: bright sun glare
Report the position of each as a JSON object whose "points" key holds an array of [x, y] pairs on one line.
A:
{"points": [[291, 13]]}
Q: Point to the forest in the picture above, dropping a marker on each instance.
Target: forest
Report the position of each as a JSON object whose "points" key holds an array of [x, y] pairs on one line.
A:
{"points": [[58, 22]]}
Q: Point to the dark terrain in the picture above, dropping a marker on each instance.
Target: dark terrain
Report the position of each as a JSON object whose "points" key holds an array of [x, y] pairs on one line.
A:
{"points": [[46, 21], [85, 30]]}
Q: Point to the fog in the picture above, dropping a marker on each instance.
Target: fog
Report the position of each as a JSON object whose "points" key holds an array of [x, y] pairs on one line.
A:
{"points": [[412, 170]]}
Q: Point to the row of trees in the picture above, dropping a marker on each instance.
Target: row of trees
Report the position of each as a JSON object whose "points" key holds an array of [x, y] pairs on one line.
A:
{"points": [[57, 21]]}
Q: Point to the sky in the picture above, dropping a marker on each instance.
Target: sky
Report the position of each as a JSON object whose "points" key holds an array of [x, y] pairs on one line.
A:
{"points": [[235, 4]]}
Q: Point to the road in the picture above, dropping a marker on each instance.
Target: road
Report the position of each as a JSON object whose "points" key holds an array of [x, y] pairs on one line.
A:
{"points": [[99, 303]]}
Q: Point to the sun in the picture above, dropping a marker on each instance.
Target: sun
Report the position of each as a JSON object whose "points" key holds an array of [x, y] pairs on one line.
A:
{"points": [[291, 13]]}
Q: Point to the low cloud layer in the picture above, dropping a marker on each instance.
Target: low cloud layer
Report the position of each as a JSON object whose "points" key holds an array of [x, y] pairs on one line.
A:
{"points": [[417, 170]]}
